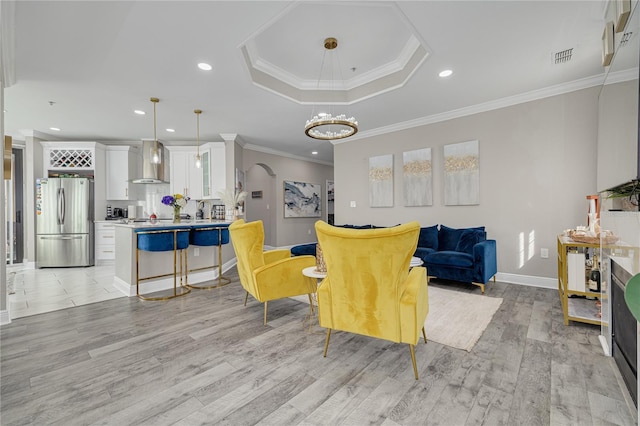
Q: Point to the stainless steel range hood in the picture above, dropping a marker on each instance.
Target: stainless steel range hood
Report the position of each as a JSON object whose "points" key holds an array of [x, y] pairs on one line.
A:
{"points": [[152, 172]]}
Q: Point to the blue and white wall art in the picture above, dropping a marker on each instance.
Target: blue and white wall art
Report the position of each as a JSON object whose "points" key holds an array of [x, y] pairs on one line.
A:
{"points": [[302, 199]]}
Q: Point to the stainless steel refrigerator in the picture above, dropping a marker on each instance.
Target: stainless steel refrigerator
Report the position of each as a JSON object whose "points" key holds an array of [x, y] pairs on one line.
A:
{"points": [[64, 222]]}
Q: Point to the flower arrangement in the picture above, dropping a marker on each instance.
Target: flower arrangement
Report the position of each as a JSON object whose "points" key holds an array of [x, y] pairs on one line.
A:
{"points": [[177, 201]]}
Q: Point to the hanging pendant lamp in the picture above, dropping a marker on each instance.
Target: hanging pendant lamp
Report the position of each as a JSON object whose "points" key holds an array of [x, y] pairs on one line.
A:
{"points": [[156, 157], [198, 159]]}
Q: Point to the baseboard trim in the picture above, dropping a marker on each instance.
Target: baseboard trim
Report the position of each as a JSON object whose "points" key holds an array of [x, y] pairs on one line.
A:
{"points": [[5, 318], [166, 283], [528, 280]]}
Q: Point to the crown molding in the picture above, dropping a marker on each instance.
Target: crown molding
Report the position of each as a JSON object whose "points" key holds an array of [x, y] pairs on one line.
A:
{"points": [[252, 147], [533, 95]]}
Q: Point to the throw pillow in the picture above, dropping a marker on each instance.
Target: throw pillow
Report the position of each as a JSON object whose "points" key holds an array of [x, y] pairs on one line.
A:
{"points": [[429, 237], [448, 237], [468, 239]]}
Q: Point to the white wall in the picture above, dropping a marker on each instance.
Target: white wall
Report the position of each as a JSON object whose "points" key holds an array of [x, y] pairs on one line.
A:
{"points": [[537, 165], [289, 231]]}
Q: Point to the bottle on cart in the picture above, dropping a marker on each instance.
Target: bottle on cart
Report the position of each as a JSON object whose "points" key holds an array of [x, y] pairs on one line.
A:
{"points": [[594, 276]]}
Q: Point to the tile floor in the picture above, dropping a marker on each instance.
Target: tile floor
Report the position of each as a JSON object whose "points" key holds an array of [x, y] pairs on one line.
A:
{"points": [[50, 289]]}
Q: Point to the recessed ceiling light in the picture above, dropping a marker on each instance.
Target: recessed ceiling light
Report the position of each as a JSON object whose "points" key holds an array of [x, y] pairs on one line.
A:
{"points": [[170, 130], [204, 66], [139, 112], [445, 73], [314, 152], [54, 128]]}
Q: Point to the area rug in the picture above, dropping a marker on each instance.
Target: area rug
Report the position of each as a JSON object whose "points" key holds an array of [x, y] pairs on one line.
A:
{"points": [[458, 319], [455, 319]]}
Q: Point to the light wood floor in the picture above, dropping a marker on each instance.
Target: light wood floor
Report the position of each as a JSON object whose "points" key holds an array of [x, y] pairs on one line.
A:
{"points": [[207, 359]]}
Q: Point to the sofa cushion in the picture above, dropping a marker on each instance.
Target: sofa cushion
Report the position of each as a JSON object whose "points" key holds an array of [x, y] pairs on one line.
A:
{"points": [[428, 237], [422, 252], [304, 249], [468, 239], [448, 237], [450, 258]]}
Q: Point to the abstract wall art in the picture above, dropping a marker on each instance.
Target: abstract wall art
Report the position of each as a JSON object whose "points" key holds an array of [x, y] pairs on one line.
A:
{"points": [[381, 181], [416, 178], [462, 174], [302, 199]]}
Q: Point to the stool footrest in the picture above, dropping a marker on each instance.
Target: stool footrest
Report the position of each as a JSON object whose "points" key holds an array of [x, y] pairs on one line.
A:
{"points": [[221, 282], [177, 292]]}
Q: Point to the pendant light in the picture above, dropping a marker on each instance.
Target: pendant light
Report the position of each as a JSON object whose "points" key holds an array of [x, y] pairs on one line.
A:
{"points": [[155, 150], [325, 126], [198, 160]]}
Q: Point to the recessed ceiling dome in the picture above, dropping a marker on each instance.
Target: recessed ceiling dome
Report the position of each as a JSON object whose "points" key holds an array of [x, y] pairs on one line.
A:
{"points": [[379, 50]]}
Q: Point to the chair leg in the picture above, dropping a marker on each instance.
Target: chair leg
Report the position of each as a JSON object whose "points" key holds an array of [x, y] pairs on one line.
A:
{"points": [[413, 361], [246, 297], [265, 313], [424, 334], [326, 342]]}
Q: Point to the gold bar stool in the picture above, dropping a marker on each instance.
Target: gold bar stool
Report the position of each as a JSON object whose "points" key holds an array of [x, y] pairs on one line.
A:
{"points": [[207, 236], [157, 240]]}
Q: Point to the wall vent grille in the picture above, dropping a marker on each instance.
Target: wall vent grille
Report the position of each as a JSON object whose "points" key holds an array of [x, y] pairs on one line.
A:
{"points": [[563, 56]]}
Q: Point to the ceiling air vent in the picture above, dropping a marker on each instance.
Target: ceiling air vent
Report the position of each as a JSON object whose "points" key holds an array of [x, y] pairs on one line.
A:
{"points": [[563, 56], [625, 38]]}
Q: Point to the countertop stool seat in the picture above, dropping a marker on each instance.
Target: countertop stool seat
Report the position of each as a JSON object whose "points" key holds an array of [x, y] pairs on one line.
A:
{"points": [[208, 236], [163, 240]]}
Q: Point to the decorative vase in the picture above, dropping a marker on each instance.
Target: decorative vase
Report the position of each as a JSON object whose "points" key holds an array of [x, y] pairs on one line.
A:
{"points": [[320, 265], [229, 215], [176, 214]]}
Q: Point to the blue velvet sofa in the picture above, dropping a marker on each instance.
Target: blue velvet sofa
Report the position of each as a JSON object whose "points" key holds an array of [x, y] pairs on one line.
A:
{"points": [[463, 254]]}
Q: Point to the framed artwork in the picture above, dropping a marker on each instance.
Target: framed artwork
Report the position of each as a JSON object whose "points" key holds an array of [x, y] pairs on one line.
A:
{"points": [[607, 44], [330, 214], [416, 178], [623, 10], [302, 199], [462, 174], [239, 181], [256, 194], [240, 186], [381, 181]]}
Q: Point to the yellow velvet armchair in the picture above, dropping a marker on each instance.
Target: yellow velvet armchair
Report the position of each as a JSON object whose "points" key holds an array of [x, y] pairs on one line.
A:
{"points": [[369, 288], [268, 275]]}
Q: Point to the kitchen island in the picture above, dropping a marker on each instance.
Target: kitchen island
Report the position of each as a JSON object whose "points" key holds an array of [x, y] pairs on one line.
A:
{"points": [[161, 263]]}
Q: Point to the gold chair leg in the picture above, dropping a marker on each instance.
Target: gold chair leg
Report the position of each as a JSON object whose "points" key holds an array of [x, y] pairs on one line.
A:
{"points": [[424, 334], [413, 361], [265, 313], [326, 342], [246, 297]]}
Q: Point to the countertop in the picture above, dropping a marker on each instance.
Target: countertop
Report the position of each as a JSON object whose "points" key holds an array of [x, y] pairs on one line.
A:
{"points": [[632, 296], [162, 223]]}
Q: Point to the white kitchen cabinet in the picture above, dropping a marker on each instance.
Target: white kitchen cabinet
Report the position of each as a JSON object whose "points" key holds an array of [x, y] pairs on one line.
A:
{"points": [[122, 167], [197, 183], [105, 244], [185, 178]]}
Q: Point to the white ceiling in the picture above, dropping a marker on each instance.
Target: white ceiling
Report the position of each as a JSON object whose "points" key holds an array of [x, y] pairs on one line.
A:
{"points": [[98, 61]]}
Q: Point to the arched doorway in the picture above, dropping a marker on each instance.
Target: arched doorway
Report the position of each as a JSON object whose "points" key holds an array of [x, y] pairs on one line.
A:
{"points": [[260, 183]]}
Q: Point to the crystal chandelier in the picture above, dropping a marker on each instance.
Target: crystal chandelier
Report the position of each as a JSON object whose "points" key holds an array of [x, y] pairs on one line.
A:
{"points": [[325, 126]]}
